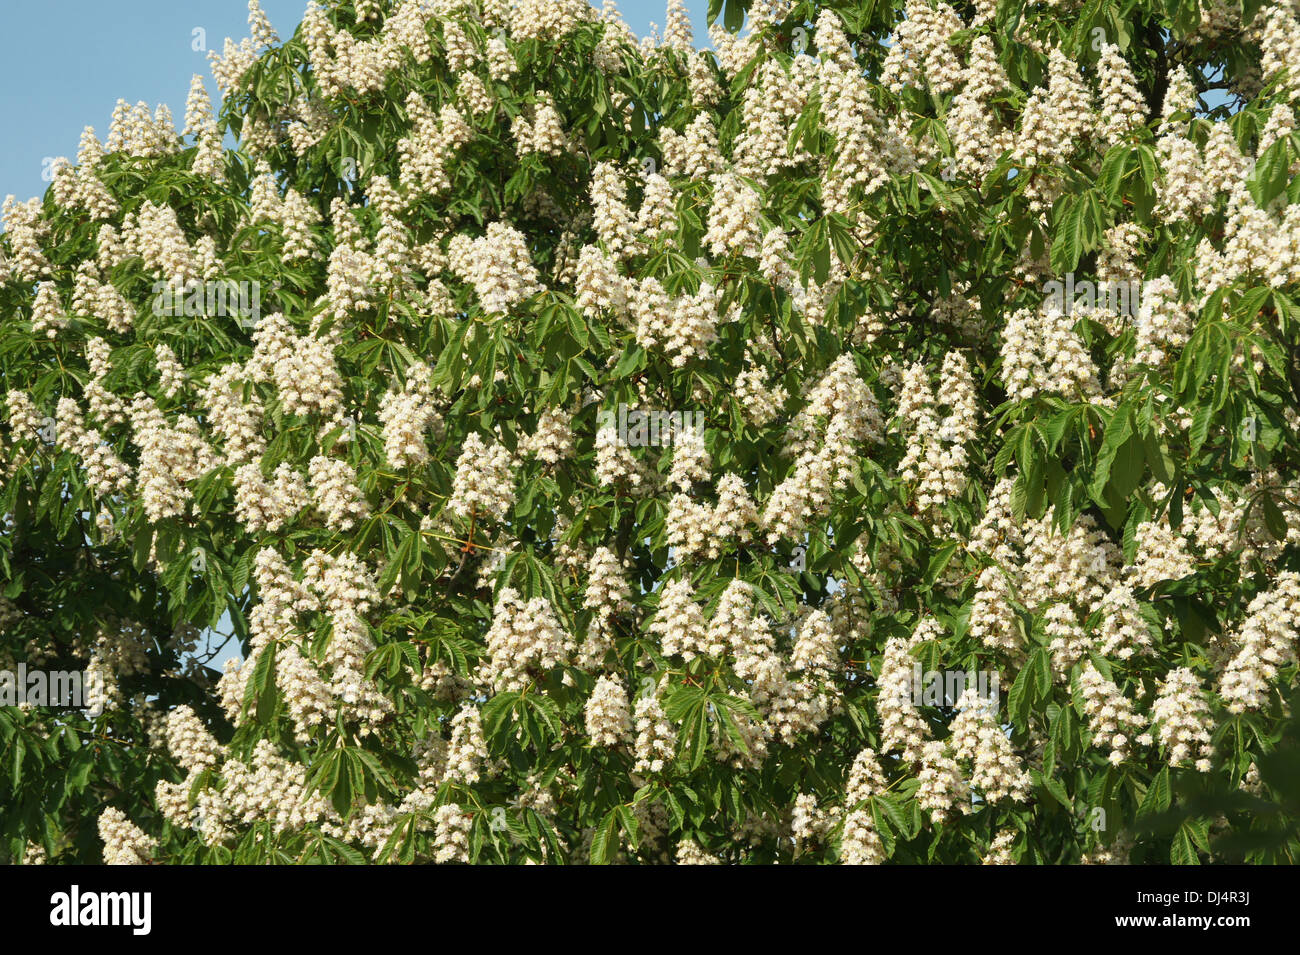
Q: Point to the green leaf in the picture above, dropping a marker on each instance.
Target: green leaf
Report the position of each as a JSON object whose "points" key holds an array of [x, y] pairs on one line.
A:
{"points": [[1183, 849], [1271, 173], [1067, 235], [1057, 791], [1157, 798], [1273, 518], [735, 16], [604, 842], [939, 561], [1118, 430]]}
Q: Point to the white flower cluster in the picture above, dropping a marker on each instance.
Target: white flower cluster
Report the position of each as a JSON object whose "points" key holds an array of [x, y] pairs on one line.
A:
{"points": [[209, 156], [135, 132], [101, 401], [869, 148], [408, 415], [1057, 120], [171, 373], [611, 218], [978, 737], [942, 784], [690, 853], [614, 462], [268, 788], [901, 725], [189, 741], [170, 456], [341, 62], [485, 482], [552, 442], [1181, 717], [535, 19], [1123, 631], [48, 316], [24, 229], [919, 50], [433, 141], [794, 695], [606, 713], [125, 843], [978, 137], [101, 300], [105, 472], [467, 752], [598, 284], [679, 623], [235, 60], [772, 105], [543, 133], [936, 451], [525, 641], [656, 737], [301, 367], [853, 416], [79, 187], [154, 233], [451, 837], [1110, 713], [1162, 554], [497, 264], [234, 418], [696, 529], [999, 851], [1266, 642], [191, 745], [760, 400], [296, 217], [1122, 108], [1163, 323], [263, 505], [607, 592], [992, 618], [683, 327], [692, 153], [691, 462], [734, 228], [1041, 352]]}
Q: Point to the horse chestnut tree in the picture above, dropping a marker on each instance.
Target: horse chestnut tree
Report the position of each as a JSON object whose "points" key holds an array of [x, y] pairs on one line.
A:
{"points": [[870, 438]]}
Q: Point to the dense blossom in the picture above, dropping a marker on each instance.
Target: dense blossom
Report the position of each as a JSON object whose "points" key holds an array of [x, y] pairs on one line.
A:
{"points": [[610, 449]]}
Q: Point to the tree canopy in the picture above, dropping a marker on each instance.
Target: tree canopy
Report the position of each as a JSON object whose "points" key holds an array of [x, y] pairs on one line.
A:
{"points": [[613, 450]]}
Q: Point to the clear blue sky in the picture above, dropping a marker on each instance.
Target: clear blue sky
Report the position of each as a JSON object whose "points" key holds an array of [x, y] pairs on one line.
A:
{"points": [[66, 63]]}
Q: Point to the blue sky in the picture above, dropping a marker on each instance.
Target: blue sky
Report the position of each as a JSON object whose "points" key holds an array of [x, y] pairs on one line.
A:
{"points": [[67, 62]]}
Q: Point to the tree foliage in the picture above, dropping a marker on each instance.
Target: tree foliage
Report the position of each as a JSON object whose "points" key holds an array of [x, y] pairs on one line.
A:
{"points": [[483, 618]]}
